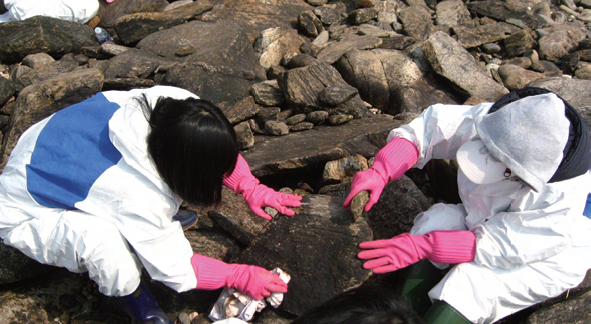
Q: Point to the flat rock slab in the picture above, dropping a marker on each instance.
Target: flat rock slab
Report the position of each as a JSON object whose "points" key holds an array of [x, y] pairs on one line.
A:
{"points": [[319, 145], [317, 247]]}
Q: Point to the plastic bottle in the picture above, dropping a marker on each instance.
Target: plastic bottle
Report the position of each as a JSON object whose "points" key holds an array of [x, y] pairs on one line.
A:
{"points": [[102, 35]]}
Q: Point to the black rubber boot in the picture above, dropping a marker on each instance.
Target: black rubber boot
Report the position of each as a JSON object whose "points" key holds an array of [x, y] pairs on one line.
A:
{"points": [[187, 218], [443, 313], [417, 280], [143, 307]]}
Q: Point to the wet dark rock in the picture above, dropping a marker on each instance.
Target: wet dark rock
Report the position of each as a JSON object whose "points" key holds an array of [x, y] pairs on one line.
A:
{"points": [[320, 227]]}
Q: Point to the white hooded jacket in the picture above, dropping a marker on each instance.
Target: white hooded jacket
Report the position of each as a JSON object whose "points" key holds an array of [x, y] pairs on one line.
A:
{"points": [[117, 182]]}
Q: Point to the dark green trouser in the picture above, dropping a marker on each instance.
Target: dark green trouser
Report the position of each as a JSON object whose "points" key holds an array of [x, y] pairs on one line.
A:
{"points": [[417, 280]]}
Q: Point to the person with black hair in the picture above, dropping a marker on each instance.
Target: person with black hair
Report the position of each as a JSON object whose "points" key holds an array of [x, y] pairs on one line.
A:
{"points": [[362, 305], [519, 236], [95, 186]]}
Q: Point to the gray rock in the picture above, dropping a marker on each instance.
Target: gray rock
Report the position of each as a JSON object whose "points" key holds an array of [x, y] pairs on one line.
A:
{"points": [[240, 111], [417, 22], [490, 48], [320, 227], [449, 59], [452, 13]]}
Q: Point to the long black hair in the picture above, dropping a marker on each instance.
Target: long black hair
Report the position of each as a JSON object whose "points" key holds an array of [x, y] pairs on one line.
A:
{"points": [[192, 145]]}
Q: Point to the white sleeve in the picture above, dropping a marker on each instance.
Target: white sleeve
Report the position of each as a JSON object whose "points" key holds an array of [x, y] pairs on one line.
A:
{"points": [[440, 130], [538, 226]]}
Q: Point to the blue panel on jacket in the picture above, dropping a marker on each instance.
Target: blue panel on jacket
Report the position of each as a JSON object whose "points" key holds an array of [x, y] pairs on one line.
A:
{"points": [[71, 152]]}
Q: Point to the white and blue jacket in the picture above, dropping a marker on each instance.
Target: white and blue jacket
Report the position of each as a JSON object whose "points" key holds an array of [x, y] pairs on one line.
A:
{"points": [[92, 157]]}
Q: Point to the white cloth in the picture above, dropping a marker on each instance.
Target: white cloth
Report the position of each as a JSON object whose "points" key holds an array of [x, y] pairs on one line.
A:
{"points": [[127, 207], [530, 246], [71, 10]]}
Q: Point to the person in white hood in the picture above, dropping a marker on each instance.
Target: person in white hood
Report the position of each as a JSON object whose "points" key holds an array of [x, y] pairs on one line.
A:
{"points": [[94, 188], [519, 236]]}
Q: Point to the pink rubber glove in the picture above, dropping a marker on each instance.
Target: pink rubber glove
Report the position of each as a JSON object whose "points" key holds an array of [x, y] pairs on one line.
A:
{"points": [[405, 249], [258, 195], [389, 164], [253, 281]]}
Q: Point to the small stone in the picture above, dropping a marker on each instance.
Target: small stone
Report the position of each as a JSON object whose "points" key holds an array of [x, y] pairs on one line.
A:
{"points": [[301, 126], [185, 51], [276, 127], [339, 119], [317, 117], [296, 119]]}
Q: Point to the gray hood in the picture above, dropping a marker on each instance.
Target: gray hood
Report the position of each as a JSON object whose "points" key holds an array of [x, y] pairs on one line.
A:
{"points": [[528, 135]]}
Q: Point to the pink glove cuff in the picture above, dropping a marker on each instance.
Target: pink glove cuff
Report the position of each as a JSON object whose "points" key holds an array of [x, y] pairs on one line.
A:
{"points": [[397, 157], [241, 179], [450, 247], [211, 273]]}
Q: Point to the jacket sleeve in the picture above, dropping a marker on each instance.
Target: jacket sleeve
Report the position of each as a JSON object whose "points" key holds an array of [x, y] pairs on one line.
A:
{"points": [[537, 226], [440, 130]]}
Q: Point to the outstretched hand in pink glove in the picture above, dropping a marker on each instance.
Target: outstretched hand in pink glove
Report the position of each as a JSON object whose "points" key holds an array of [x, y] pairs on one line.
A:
{"points": [[253, 281], [405, 249], [389, 164], [258, 195]]}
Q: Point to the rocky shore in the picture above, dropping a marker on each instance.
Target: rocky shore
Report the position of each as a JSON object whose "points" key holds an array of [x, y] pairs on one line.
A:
{"points": [[312, 88]]}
